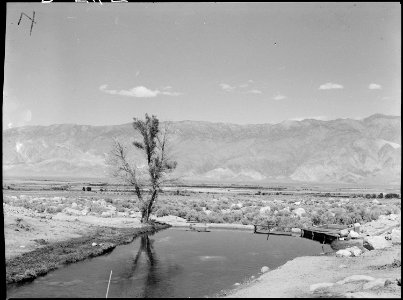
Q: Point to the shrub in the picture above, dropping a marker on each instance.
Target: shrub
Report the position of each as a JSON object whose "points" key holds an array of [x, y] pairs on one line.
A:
{"points": [[375, 213], [30, 273], [392, 195], [120, 208], [59, 208], [51, 210], [109, 200], [59, 188], [215, 218], [95, 208], [245, 221], [316, 219], [127, 205], [355, 217], [197, 208], [40, 208], [224, 205], [162, 212]]}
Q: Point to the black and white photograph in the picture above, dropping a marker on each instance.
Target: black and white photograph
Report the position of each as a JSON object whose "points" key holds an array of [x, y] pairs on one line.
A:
{"points": [[201, 149]]}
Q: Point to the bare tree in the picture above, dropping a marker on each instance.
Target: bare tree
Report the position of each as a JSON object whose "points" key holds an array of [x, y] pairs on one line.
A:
{"points": [[147, 183]]}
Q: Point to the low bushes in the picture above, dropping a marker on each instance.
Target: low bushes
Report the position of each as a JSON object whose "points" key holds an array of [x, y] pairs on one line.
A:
{"points": [[318, 212], [216, 208]]}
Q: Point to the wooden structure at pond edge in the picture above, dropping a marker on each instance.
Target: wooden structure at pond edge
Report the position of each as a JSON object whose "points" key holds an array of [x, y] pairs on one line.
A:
{"points": [[267, 229], [324, 233]]}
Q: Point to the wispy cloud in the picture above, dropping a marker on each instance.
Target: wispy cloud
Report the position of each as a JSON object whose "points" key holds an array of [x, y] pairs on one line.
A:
{"points": [[330, 86], [246, 84], [375, 86], [139, 92], [279, 97], [169, 93], [254, 91], [226, 87], [246, 87]]}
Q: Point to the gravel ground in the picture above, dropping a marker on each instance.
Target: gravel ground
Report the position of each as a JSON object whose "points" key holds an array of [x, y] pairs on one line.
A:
{"points": [[298, 277]]}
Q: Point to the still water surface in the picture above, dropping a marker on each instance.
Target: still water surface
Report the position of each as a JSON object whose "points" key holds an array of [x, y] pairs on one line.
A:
{"points": [[171, 263]]}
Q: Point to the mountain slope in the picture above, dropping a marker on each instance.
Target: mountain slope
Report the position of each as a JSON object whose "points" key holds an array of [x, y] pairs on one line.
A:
{"points": [[343, 150]]}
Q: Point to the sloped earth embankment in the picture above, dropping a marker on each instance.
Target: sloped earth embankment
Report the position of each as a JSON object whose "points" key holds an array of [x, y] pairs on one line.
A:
{"points": [[38, 243], [372, 274]]}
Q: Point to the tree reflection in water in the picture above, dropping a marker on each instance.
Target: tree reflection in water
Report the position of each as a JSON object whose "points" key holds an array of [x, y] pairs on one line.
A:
{"points": [[151, 278]]}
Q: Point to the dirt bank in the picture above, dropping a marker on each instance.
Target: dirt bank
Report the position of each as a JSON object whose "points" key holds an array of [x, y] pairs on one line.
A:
{"points": [[37, 243], [300, 276], [25, 230]]}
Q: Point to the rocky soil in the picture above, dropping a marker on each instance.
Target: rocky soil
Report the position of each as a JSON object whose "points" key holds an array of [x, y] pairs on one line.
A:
{"points": [[372, 273], [26, 230]]}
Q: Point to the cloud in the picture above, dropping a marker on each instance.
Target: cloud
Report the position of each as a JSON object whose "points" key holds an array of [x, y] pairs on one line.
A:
{"points": [[254, 91], [103, 87], [138, 92], [330, 86], [374, 86], [170, 93], [279, 97], [226, 87], [246, 84]]}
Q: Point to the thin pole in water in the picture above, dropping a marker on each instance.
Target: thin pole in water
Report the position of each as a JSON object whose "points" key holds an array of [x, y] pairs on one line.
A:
{"points": [[110, 275]]}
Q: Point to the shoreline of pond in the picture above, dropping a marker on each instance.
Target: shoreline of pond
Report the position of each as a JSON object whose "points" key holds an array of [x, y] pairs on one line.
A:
{"points": [[326, 270], [202, 258], [30, 265]]}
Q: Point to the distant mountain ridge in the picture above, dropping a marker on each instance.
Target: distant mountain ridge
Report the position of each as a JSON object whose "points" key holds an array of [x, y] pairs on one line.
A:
{"points": [[337, 151]]}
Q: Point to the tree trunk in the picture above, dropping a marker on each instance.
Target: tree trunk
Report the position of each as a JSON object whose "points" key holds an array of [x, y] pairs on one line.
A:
{"points": [[144, 215], [146, 210]]}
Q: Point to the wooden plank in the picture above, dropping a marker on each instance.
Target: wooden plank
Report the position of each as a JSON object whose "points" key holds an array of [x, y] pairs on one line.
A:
{"points": [[323, 232], [315, 229], [333, 226], [275, 233], [310, 232]]}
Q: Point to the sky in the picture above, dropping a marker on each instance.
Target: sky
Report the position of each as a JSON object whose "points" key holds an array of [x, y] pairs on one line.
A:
{"points": [[244, 63]]}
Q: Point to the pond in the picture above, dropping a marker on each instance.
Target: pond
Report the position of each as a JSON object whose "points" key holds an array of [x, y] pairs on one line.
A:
{"points": [[171, 263]]}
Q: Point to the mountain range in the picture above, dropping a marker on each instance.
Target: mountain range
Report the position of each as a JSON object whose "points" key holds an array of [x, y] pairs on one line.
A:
{"points": [[335, 151]]}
